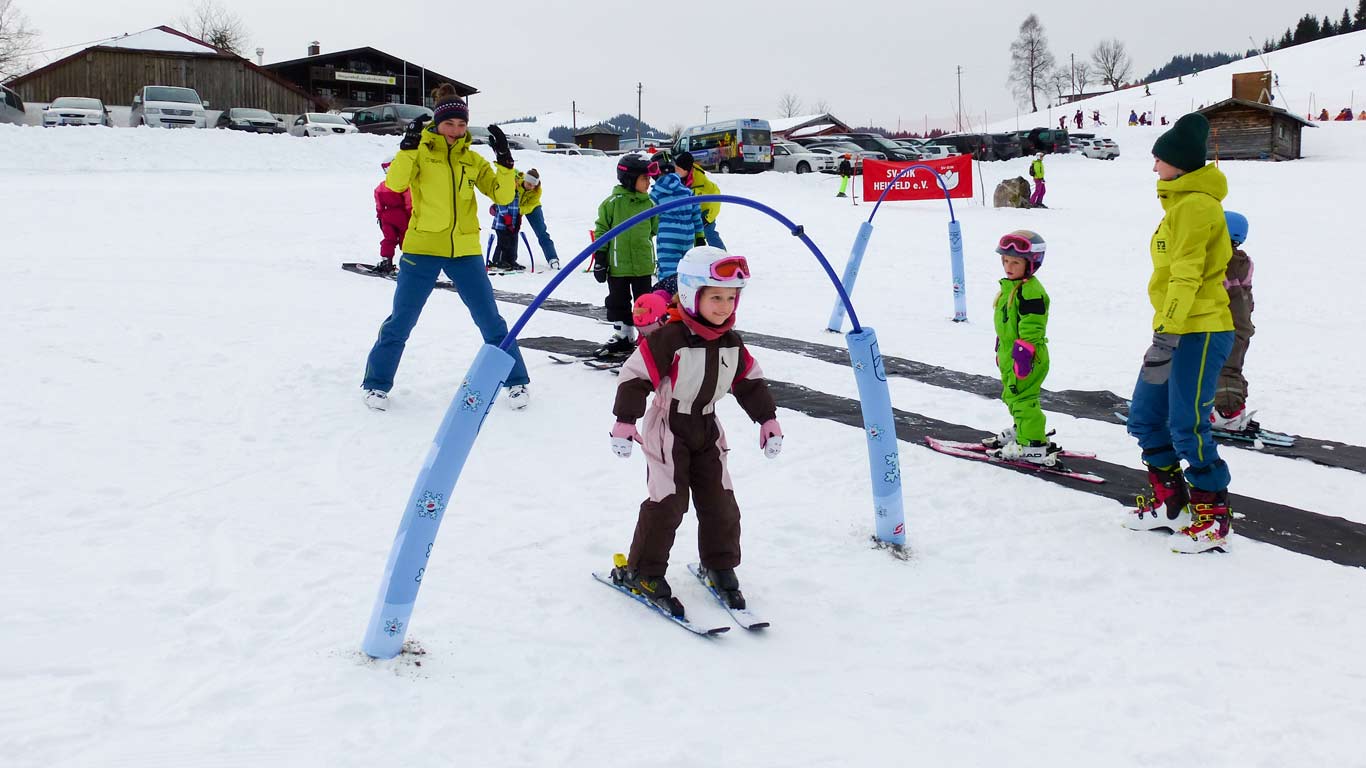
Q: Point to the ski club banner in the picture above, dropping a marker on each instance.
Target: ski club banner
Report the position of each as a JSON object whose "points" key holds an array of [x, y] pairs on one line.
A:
{"points": [[918, 184]]}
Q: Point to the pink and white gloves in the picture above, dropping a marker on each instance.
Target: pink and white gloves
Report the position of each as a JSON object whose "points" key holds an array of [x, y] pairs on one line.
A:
{"points": [[622, 436], [771, 438]]}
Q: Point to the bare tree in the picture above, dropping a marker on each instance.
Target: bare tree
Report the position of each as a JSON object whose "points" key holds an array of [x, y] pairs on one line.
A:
{"points": [[1030, 62], [1060, 80], [789, 105], [1083, 74], [17, 40], [216, 26], [1113, 65], [676, 131], [821, 106]]}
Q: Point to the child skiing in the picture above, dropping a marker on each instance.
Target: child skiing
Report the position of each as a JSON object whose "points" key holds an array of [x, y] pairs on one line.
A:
{"points": [[529, 200], [680, 228], [627, 265], [507, 223], [1230, 412], [690, 366], [1192, 335], [392, 212], [1021, 318], [846, 172], [1036, 173]]}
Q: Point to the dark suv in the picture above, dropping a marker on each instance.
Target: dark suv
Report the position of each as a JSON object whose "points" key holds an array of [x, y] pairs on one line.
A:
{"points": [[1047, 140], [876, 143], [388, 119], [976, 144]]}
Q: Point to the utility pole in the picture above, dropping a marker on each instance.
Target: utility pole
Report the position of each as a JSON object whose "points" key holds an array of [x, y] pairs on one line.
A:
{"points": [[706, 114], [960, 99], [1074, 75], [574, 115], [640, 87]]}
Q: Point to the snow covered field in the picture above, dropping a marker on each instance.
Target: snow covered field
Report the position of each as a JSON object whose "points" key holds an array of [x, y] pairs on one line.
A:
{"points": [[198, 506]]}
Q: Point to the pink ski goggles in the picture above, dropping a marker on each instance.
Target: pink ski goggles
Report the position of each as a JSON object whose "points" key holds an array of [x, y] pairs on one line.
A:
{"points": [[1018, 244], [730, 268], [651, 170]]}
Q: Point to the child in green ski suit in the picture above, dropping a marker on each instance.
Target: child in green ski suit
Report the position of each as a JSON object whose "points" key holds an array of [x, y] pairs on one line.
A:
{"points": [[1021, 320], [627, 263]]}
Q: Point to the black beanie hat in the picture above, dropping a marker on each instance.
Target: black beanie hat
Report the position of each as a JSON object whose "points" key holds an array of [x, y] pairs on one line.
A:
{"points": [[448, 109], [1185, 145], [684, 160]]}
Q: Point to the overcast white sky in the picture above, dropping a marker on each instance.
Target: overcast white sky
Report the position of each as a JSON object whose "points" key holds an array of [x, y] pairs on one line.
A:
{"points": [[872, 60]]}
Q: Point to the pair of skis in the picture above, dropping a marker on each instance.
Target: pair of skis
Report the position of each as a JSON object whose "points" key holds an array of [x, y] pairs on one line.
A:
{"points": [[979, 452], [611, 363], [741, 616]]}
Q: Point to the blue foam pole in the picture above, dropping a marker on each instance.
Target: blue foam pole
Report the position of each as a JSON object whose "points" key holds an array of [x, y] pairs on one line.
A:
{"points": [[879, 427], [865, 232], [429, 500], [960, 297], [530, 254]]}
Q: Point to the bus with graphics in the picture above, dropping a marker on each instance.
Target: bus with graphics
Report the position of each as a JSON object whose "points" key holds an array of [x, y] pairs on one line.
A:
{"points": [[732, 146]]}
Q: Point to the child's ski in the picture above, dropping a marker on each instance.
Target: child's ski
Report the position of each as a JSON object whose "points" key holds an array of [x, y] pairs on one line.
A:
{"points": [[1061, 471], [742, 616], [981, 448], [1260, 436], [682, 622], [369, 269]]}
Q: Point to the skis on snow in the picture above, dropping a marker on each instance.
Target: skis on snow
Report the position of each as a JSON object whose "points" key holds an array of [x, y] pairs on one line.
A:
{"points": [[978, 452], [742, 616], [369, 269], [592, 361], [653, 606]]}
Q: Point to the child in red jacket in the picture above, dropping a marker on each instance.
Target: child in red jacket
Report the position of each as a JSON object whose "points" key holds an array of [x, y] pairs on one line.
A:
{"points": [[392, 211]]}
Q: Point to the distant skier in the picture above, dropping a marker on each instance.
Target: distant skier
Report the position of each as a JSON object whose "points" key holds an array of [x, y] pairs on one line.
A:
{"points": [[1133, 117], [1192, 335], [1230, 412], [1021, 319], [1095, 117], [680, 228], [701, 185], [392, 212], [1062, 123], [690, 366], [1036, 173], [1078, 119], [846, 170], [627, 263], [529, 199]]}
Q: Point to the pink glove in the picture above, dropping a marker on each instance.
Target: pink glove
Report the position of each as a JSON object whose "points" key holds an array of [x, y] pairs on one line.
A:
{"points": [[771, 438], [623, 434]]}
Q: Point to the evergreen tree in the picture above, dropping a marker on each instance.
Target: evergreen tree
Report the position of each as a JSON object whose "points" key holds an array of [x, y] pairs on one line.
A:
{"points": [[1287, 40], [1326, 29], [1345, 23], [1307, 30], [1361, 16]]}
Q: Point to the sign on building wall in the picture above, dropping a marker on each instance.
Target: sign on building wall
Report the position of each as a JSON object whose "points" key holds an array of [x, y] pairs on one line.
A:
{"points": [[357, 77]]}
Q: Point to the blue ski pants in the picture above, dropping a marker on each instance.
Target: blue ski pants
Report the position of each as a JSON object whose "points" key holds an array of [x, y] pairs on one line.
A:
{"points": [[1172, 400], [713, 238], [537, 221], [416, 279]]}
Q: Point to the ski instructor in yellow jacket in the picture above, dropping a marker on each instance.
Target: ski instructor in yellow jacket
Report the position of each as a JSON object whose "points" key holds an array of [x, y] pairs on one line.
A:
{"points": [[1192, 335], [443, 172]]}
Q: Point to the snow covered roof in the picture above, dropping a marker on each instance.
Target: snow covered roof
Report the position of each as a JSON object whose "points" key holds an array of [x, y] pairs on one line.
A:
{"points": [[806, 124], [161, 38]]}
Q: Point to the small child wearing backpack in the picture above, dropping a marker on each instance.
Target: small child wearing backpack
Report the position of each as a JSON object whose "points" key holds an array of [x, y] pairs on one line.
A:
{"points": [[1230, 412]]}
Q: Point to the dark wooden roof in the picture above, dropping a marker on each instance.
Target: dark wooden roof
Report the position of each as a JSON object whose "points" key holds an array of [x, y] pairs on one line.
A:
{"points": [[1226, 103], [463, 89], [598, 130]]}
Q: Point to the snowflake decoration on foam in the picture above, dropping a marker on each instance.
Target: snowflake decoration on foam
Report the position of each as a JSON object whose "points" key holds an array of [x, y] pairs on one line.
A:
{"points": [[881, 511], [860, 365], [431, 505], [894, 461], [875, 432], [472, 400], [392, 626]]}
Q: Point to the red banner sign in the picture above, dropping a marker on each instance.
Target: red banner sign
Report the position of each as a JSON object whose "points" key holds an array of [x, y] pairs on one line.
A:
{"points": [[918, 184]]}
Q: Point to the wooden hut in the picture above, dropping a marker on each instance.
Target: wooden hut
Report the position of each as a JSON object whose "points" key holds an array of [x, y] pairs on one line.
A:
{"points": [[598, 137], [1249, 130]]}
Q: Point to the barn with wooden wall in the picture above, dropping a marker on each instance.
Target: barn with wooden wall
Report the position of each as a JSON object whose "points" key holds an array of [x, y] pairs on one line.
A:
{"points": [[1249, 130], [115, 70]]}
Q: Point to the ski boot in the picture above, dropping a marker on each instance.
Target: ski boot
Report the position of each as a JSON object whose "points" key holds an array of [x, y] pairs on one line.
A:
{"points": [[554, 264], [1041, 452], [655, 589], [1239, 421], [384, 267], [725, 583], [616, 347], [1004, 438], [1167, 508], [1211, 527], [377, 399]]}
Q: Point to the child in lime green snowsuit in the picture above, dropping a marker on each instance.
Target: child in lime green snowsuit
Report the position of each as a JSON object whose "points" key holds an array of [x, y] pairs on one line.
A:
{"points": [[1021, 320]]}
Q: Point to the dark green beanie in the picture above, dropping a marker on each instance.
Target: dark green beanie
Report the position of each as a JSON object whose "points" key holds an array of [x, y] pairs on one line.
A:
{"points": [[1185, 144]]}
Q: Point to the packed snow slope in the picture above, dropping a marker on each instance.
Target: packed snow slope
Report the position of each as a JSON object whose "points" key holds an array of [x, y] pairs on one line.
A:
{"points": [[197, 506], [1320, 75]]}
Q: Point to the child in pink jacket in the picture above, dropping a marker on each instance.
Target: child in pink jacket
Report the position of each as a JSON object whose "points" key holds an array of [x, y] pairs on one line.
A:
{"points": [[392, 211]]}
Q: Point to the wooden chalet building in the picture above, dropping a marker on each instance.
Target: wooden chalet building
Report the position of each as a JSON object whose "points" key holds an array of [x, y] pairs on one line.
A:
{"points": [[1250, 130], [598, 137], [361, 77], [113, 70]]}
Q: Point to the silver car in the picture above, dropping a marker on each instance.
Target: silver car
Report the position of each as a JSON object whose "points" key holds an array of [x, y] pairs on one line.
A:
{"points": [[11, 107], [74, 110], [794, 158]]}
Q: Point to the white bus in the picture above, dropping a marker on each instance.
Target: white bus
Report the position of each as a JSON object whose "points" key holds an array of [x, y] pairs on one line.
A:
{"points": [[732, 146]]}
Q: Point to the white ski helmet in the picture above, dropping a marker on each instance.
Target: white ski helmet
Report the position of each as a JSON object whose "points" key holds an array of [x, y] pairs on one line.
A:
{"points": [[704, 265]]}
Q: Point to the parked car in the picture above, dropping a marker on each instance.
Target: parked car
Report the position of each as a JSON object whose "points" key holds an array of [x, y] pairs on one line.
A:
{"points": [[871, 141], [845, 146], [11, 107], [835, 152], [1045, 140], [523, 142], [936, 151], [76, 110], [577, 151], [386, 119], [311, 124], [249, 120], [794, 158], [976, 144], [166, 106], [1100, 149]]}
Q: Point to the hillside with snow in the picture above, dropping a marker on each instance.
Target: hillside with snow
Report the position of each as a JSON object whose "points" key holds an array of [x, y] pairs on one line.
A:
{"points": [[198, 507]]}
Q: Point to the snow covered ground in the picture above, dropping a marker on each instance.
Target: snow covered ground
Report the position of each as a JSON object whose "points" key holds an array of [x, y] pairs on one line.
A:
{"points": [[198, 507]]}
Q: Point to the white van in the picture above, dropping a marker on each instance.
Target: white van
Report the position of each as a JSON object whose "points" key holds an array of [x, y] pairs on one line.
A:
{"points": [[165, 106], [11, 107]]}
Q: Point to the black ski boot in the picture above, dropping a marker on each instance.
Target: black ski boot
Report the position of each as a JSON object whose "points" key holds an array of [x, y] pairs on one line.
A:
{"points": [[616, 347], [726, 584], [384, 267], [655, 589]]}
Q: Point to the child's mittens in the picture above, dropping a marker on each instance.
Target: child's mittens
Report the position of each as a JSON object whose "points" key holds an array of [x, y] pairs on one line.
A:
{"points": [[1023, 355], [649, 312], [771, 438], [600, 266], [623, 434]]}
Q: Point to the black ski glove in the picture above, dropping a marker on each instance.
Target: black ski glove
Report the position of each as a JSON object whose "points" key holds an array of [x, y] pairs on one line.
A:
{"points": [[412, 135], [699, 240], [600, 266], [498, 141]]}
